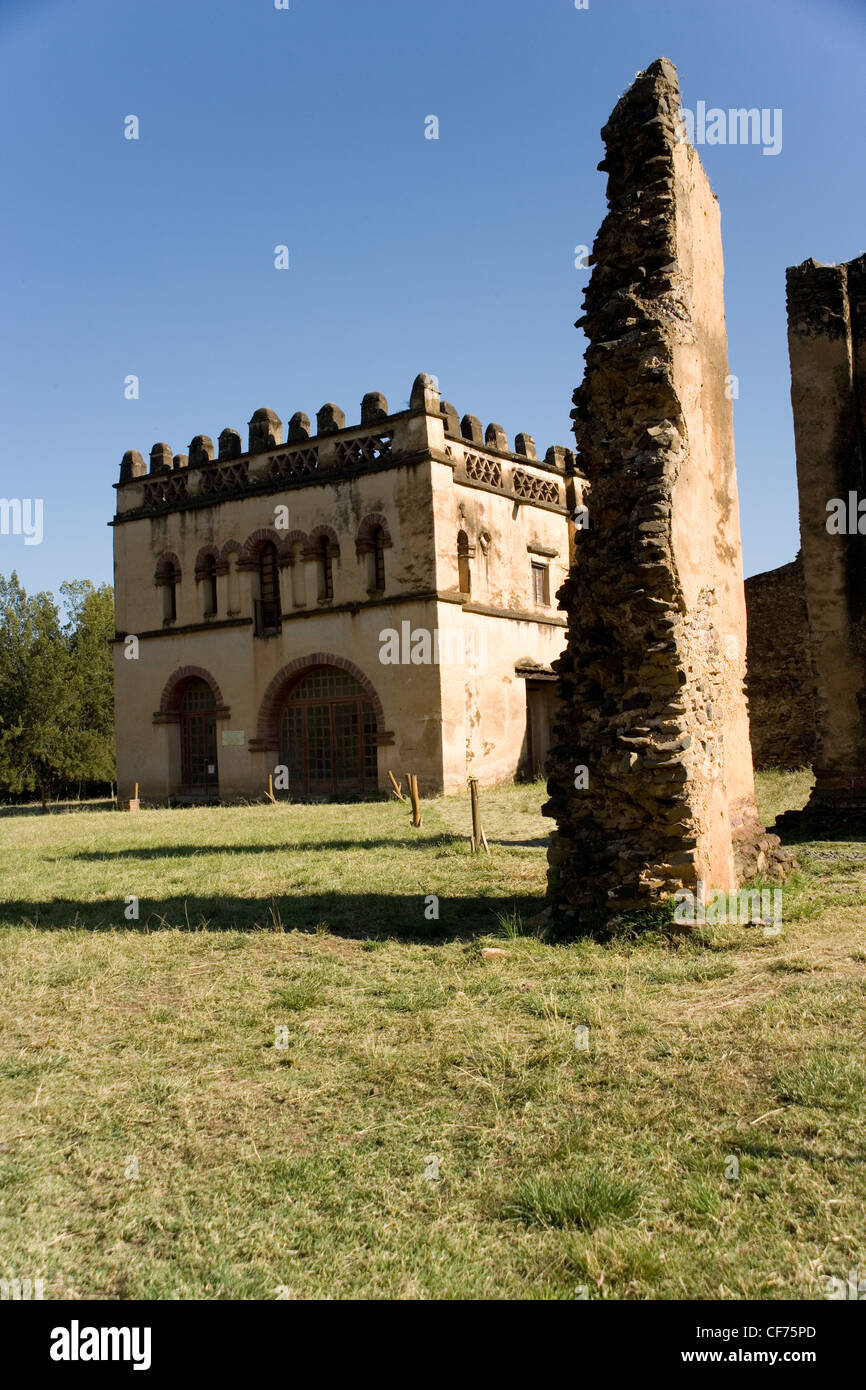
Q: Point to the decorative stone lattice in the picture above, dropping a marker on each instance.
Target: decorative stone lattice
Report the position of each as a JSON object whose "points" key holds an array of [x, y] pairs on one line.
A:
{"points": [[534, 489], [231, 478], [164, 491], [371, 449], [483, 470], [300, 464], [651, 681]]}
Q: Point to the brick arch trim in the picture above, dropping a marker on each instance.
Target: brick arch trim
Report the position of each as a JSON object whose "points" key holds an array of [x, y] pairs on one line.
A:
{"points": [[167, 565], [267, 734], [364, 536], [256, 540], [322, 538], [244, 560], [171, 690], [288, 543], [207, 552], [320, 532], [292, 538]]}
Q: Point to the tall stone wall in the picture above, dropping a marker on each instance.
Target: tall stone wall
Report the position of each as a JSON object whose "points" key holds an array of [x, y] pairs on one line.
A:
{"points": [[827, 346], [651, 681], [780, 681]]}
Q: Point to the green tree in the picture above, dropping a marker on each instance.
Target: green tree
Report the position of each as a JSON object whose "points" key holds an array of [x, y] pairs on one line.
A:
{"points": [[36, 699], [89, 633], [56, 721]]}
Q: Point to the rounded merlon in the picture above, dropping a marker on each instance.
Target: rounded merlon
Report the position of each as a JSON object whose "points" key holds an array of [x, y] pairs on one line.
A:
{"points": [[229, 444], [200, 450], [132, 465], [266, 430], [299, 427], [161, 458], [374, 407], [330, 419]]}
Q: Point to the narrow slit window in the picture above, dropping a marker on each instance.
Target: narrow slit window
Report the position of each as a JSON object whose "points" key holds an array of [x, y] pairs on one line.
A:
{"points": [[210, 587], [326, 571], [169, 592], [464, 571], [378, 557], [268, 605]]}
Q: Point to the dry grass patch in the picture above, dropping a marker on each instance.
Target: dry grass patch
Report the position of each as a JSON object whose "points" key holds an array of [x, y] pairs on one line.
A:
{"points": [[301, 1081]]}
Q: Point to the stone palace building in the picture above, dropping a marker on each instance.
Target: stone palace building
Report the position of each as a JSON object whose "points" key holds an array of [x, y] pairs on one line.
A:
{"points": [[338, 604]]}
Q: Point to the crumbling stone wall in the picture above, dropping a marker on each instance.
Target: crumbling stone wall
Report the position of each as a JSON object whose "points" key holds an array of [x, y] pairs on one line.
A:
{"points": [[827, 346], [651, 681], [780, 681]]}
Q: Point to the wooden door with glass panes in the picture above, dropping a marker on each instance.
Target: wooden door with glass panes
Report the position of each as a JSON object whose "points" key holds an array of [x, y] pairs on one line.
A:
{"points": [[200, 770], [327, 736]]}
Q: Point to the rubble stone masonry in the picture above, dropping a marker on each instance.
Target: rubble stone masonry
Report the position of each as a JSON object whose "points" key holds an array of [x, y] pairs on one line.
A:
{"points": [[827, 346], [651, 681], [780, 682]]}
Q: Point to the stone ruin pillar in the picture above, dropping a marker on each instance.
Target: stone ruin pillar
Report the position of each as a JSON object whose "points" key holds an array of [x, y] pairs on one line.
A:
{"points": [[651, 681], [827, 346]]}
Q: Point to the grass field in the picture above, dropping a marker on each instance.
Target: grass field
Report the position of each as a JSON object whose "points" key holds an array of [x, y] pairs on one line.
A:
{"points": [[284, 1079]]}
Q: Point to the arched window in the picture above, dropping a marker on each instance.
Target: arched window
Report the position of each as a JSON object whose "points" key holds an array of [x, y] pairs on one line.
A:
{"points": [[267, 608], [371, 542], [464, 572], [209, 580], [377, 559], [326, 572], [168, 578]]}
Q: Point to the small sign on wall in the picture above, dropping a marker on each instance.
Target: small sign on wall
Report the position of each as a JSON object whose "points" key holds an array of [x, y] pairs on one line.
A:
{"points": [[233, 738]]}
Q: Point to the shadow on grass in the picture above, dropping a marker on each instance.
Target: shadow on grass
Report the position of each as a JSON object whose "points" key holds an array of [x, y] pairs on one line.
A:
{"points": [[55, 808], [358, 915], [538, 842], [805, 827], [424, 842]]}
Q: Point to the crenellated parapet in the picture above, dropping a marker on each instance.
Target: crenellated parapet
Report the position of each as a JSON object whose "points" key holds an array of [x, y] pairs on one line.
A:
{"points": [[273, 462]]}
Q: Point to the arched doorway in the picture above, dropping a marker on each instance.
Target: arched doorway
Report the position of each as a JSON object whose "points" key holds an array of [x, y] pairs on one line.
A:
{"points": [[198, 740], [328, 735]]}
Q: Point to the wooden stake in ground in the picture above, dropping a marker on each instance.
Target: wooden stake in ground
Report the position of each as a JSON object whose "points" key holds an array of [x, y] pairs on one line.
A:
{"points": [[395, 785], [414, 797], [133, 805], [478, 838], [271, 796]]}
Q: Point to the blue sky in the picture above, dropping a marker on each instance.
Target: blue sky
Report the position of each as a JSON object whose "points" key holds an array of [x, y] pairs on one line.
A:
{"points": [[305, 127]]}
